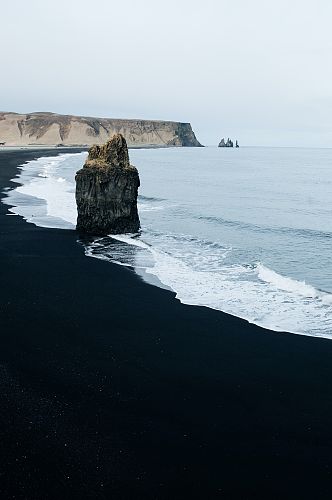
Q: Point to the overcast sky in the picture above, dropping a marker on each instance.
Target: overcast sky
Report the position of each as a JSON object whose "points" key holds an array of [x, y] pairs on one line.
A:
{"points": [[259, 70]]}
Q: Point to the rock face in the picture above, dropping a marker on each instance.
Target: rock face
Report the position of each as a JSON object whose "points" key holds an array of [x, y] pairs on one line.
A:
{"points": [[106, 190], [228, 144], [51, 129]]}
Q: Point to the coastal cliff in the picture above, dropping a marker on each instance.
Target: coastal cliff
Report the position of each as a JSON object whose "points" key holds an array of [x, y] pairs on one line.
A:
{"points": [[51, 129], [106, 190]]}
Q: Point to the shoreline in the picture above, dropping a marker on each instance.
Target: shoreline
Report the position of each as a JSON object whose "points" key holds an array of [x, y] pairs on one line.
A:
{"points": [[152, 278], [110, 386]]}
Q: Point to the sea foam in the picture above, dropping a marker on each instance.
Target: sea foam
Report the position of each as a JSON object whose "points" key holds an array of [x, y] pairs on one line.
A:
{"points": [[254, 293], [44, 197]]}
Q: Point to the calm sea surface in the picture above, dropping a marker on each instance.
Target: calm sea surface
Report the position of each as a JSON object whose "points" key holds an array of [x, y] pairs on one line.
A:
{"points": [[247, 231]]}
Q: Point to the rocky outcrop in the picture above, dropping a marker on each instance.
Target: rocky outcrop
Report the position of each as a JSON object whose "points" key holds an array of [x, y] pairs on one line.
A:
{"points": [[226, 144], [50, 129], [106, 190]]}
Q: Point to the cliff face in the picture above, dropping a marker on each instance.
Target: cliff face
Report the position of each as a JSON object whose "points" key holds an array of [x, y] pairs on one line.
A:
{"points": [[53, 129], [106, 190]]}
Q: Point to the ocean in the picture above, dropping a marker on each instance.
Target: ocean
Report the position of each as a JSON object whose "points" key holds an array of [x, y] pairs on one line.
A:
{"points": [[246, 231]]}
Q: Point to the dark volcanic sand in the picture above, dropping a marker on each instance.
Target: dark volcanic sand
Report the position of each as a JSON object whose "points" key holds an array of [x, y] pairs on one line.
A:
{"points": [[110, 388]]}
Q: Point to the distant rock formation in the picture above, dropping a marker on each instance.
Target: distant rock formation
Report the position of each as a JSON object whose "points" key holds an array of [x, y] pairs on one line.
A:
{"points": [[106, 190], [51, 129], [227, 144]]}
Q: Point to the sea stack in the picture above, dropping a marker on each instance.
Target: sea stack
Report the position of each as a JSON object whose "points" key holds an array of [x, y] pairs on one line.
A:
{"points": [[106, 190], [224, 144]]}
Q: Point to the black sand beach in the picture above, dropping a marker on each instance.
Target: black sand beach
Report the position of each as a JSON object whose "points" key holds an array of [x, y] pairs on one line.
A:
{"points": [[110, 388]]}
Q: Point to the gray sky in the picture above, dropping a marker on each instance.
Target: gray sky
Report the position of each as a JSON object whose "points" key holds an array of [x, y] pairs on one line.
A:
{"points": [[257, 70]]}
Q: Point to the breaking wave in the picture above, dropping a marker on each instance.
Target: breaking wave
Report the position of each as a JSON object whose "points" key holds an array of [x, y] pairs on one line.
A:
{"points": [[252, 292]]}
